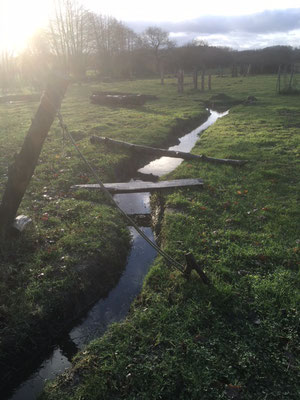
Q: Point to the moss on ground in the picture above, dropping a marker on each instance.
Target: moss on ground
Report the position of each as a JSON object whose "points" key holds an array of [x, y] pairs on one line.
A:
{"points": [[238, 339]]}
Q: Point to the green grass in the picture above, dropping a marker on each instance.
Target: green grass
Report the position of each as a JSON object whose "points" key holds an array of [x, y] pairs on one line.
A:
{"points": [[68, 257], [238, 339]]}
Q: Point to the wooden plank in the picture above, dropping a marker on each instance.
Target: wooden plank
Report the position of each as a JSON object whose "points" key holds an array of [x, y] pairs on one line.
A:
{"points": [[162, 152], [140, 186]]}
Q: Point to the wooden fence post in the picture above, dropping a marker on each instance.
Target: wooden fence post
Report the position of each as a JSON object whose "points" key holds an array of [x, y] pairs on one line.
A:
{"points": [[291, 77], [162, 73], [192, 264], [249, 70], [202, 79], [21, 171], [180, 77], [234, 71], [209, 81], [195, 78], [278, 88]]}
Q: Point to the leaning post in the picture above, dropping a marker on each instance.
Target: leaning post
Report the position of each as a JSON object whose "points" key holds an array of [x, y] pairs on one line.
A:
{"points": [[21, 171]]}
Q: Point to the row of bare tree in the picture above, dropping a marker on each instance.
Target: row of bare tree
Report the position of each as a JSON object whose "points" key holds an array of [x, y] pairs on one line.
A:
{"points": [[78, 40]]}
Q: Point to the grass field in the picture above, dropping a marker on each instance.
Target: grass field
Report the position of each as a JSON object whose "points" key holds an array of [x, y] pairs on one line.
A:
{"points": [[68, 258], [238, 339]]}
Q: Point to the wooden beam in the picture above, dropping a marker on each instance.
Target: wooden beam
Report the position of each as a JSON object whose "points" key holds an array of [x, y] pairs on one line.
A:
{"points": [[162, 152], [20, 173], [140, 186]]}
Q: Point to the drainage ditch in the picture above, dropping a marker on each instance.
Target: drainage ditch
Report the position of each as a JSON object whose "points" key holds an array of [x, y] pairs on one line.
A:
{"points": [[116, 305]]}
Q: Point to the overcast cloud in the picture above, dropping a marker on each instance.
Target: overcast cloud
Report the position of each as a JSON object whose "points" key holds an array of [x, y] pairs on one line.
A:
{"points": [[258, 30]]}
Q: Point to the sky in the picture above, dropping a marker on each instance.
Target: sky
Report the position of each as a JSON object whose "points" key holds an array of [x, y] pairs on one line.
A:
{"points": [[237, 24]]}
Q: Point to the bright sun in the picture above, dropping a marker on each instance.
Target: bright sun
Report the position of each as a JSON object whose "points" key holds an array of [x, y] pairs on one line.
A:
{"points": [[19, 19]]}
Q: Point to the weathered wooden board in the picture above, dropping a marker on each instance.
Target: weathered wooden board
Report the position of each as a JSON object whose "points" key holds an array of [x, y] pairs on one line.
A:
{"points": [[139, 186]]}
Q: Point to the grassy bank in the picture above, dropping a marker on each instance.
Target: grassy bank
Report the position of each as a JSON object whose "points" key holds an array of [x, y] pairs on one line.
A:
{"points": [[68, 257], [238, 339]]}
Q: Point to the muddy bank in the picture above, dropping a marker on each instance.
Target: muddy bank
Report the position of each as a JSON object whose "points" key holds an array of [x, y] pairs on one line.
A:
{"points": [[23, 350], [158, 208], [100, 280], [222, 102]]}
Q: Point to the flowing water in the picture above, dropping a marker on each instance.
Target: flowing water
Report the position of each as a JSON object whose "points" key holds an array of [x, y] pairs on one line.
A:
{"points": [[115, 306]]}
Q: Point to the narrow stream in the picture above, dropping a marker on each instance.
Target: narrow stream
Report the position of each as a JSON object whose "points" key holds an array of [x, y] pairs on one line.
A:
{"points": [[115, 306]]}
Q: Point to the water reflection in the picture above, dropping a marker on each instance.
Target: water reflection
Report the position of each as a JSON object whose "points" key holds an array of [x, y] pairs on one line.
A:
{"points": [[106, 311], [164, 165], [115, 307]]}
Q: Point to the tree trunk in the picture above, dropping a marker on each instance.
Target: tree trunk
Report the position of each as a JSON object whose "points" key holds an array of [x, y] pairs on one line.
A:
{"points": [[21, 171]]}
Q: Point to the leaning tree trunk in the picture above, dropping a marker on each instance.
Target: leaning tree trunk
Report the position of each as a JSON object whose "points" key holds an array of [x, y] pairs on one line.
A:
{"points": [[21, 171]]}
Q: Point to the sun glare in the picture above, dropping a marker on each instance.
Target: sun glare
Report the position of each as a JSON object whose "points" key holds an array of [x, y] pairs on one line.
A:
{"points": [[19, 19]]}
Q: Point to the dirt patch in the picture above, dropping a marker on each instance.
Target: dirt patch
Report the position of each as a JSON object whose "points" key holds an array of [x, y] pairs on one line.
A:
{"points": [[221, 102], [118, 99]]}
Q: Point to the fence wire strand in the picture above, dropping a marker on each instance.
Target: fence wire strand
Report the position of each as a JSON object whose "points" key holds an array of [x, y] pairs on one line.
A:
{"points": [[170, 260]]}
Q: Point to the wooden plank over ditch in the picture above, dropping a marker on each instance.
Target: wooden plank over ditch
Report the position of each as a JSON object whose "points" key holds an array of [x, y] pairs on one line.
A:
{"points": [[139, 186], [163, 152]]}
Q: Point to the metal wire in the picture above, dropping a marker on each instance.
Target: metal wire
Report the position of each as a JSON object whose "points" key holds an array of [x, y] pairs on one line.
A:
{"points": [[131, 222]]}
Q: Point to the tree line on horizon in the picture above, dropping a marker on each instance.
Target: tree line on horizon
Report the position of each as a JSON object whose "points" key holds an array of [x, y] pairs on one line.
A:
{"points": [[77, 41]]}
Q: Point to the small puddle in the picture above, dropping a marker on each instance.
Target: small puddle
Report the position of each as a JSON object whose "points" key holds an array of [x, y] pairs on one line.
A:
{"points": [[115, 306]]}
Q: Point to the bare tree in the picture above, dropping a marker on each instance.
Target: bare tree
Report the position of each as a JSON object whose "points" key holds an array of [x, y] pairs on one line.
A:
{"points": [[8, 71], [69, 36], [36, 60], [113, 44], [157, 40]]}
